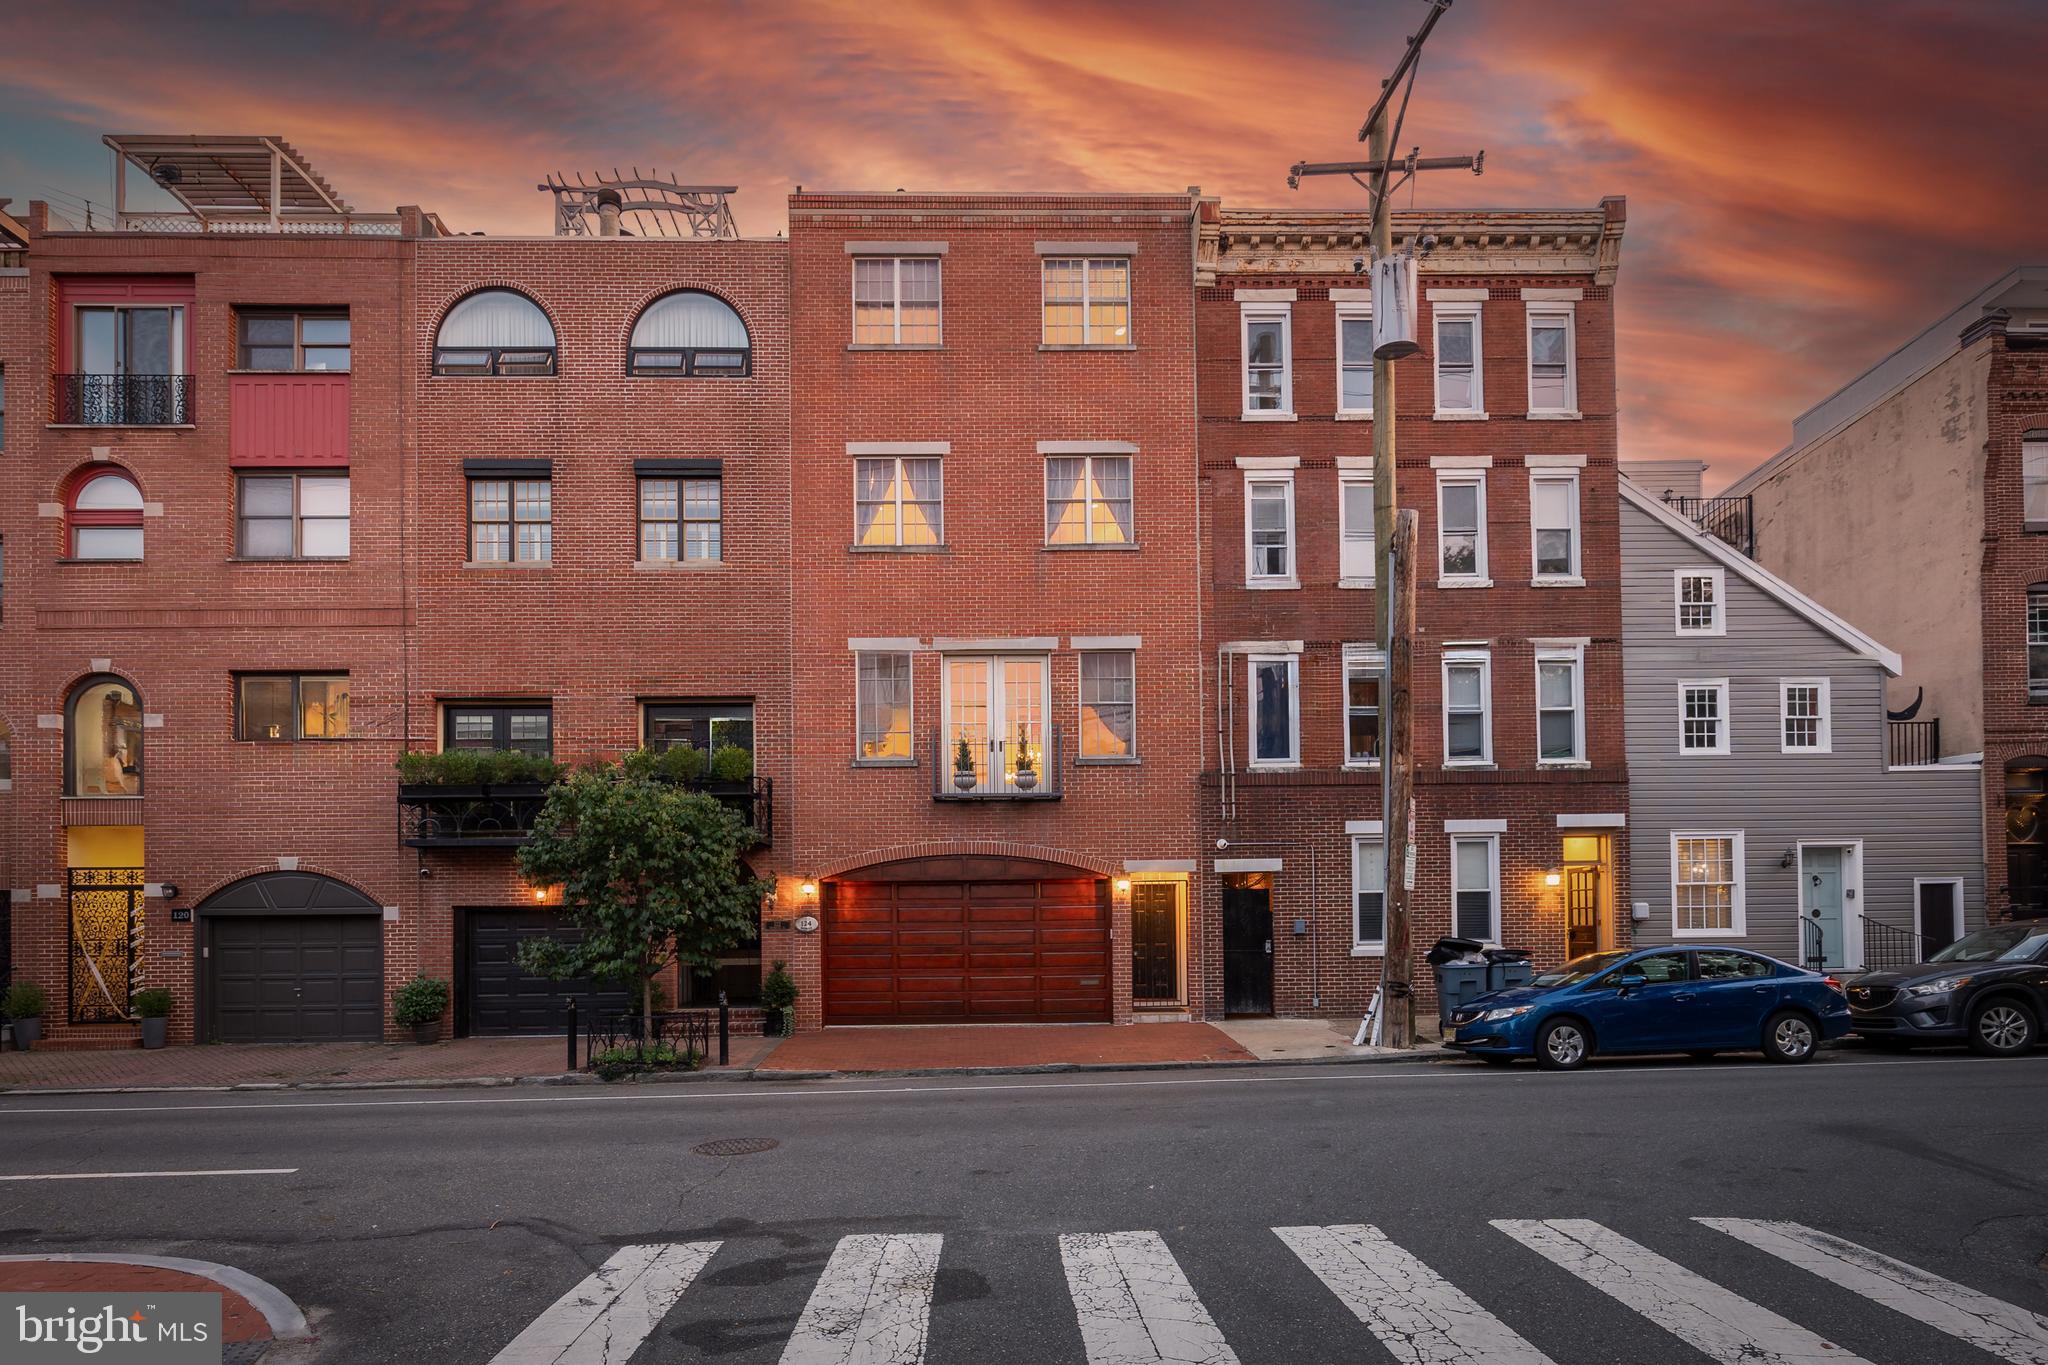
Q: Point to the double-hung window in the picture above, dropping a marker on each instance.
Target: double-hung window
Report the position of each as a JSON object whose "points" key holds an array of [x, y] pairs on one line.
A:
{"points": [[1109, 705], [1269, 530], [881, 693], [1354, 360], [1703, 717], [1274, 704], [1560, 706], [292, 341], [1553, 378], [511, 521], [898, 501], [1554, 526], [1804, 723], [2037, 645], [704, 725], [1461, 528], [286, 706], [1698, 598], [1087, 301], [1368, 895], [896, 301], [1268, 360], [1355, 531], [1706, 884], [1460, 366], [526, 726], [1475, 887], [680, 518], [1088, 500], [1468, 708], [2034, 480], [291, 516], [1364, 674]]}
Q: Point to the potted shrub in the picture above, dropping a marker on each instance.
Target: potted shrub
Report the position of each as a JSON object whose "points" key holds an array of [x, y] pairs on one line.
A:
{"points": [[153, 1008], [23, 1003], [778, 1001], [419, 1004], [732, 763], [963, 765], [1027, 771]]}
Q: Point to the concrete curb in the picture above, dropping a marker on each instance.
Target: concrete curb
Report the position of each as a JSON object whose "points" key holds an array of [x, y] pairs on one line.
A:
{"points": [[287, 1323], [1418, 1057], [408, 1083]]}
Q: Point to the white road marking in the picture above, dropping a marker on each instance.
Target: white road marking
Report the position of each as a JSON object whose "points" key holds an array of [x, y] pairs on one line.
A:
{"points": [[150, 1175], [1420, 1317], [873, 1304], [1134, 1304], [616, 1307], [1717, 1322], [2006, 1330]]}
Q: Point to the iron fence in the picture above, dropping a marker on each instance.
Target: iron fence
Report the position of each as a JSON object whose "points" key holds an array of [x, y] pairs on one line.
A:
{"points": [[1001, 768], [1912, 743], [1728, 520]]}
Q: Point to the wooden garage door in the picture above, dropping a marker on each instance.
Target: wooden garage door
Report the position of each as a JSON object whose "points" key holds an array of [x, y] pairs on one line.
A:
{"points": [[975, 952], [295, 979]]}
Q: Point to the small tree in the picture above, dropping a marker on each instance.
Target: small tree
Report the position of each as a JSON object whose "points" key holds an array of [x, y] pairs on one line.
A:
{"points": [[652, 873]]}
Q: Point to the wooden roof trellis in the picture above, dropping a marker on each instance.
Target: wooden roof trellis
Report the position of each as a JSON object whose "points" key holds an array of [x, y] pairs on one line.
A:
{"points": [[215, 176]]}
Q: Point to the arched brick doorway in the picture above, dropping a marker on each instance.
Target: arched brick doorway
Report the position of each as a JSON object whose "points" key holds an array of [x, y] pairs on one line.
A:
{"points": [[291, 957]]}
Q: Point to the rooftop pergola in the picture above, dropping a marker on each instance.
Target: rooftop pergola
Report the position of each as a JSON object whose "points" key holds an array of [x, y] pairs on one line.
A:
{"points": [[247, 178]]}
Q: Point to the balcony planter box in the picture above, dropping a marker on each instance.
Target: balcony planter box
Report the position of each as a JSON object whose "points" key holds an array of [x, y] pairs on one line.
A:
{"points": [[484, 816]]}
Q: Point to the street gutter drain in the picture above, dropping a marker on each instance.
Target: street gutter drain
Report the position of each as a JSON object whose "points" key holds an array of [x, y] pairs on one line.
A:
{"points": [[735, 1146]]}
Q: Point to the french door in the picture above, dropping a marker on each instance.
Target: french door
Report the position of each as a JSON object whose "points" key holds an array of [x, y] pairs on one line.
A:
{"points": [[996, 704]]}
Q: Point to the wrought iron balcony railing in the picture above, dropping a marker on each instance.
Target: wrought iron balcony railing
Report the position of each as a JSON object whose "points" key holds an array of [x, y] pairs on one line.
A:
{"points": [[502, 816], [997, 773], [1728, 520], [1912, 743], [122, 400]]}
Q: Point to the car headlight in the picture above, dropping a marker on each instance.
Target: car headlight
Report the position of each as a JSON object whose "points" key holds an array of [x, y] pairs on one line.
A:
{"points": [[1506, 1012], [1941, 987]]}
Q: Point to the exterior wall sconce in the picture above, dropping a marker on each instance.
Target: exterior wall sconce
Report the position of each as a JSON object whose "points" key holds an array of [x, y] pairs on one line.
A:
{"points": [[540, 895], [808, 887], [169, 890], [1787, 860], [1553, 879], [1123, 885]]}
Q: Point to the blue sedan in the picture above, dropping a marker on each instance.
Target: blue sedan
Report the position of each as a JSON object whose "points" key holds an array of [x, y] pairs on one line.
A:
{"points": [[1692, 1000]]}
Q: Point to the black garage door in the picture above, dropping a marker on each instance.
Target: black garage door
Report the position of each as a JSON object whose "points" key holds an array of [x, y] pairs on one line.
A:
{"points": [[295, 978], [502, 999]]}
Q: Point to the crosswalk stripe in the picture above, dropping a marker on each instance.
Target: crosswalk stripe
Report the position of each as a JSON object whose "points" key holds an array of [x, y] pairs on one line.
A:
{"points": [[2006, 1330], [1134, 1304], [1420, 1317], [873, 1304], [1722, 1324], [603, 1320]]}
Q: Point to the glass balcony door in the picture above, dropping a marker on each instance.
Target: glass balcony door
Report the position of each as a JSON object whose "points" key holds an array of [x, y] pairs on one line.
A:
{"points": [[997, 705]]}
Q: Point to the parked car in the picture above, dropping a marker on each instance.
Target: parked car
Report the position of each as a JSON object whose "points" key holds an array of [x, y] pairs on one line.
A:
{"points": [[1693, 1000], [1989, 988]]}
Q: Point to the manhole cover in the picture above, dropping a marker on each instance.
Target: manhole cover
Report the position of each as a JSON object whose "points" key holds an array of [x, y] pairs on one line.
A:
{"points": [[735, 1146]]}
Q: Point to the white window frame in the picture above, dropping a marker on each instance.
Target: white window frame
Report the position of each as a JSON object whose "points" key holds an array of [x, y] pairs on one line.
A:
{"points": [[895, 298], [1575, 655], [1249, 313], [1727, 740], [1554, 312], [1088, 341], [1719, 578], [910, 717], [1366, 660], [899, 481], [1089, 501], [1492, 842], [1351, 312], [1476, 478], [1574, 573], [1292, 578], [1465, 658], [1081, 755], [1826, 730], [1457, 311], [2033, 471], [1360, 844], [1353, 479], [1251, 700], [1738, 920]]}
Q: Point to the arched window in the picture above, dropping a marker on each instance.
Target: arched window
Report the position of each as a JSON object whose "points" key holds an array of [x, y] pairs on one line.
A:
{"points": [[103, 516], [689, 333], [495, 331], [103, 739]]}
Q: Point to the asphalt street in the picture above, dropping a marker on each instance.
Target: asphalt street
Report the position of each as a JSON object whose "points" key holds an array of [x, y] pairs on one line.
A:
{"points": [[436, 1226]]}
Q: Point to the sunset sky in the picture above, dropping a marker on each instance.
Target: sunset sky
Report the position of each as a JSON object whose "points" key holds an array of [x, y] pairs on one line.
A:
{"points": [[1809, 183]]}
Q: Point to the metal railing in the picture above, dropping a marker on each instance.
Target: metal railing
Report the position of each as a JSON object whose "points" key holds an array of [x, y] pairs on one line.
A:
{"points": [[1912, 743], [1000, 771], [1813, 946], [325, 225], [1728, 520], [1886, 947], [687, 1033], [502, 816], [122, 400]]}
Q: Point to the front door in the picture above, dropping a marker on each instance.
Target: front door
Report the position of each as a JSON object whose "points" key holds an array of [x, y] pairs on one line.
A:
{"points": [[1581, 911], [1821, 903], [1939, 915], [1155, 942], [1248, 943]]}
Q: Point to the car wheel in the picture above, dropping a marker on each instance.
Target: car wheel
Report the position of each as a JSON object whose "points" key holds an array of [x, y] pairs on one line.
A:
{"points": [[1562, 1045], [2001, 1028], [1790, 1036]]}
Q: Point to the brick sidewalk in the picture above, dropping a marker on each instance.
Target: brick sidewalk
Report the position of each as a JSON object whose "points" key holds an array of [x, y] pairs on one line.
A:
{"points": [[982, 1045]]}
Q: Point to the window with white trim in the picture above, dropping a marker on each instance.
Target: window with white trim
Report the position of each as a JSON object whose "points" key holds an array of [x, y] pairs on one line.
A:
{"points": [[882, 707], [1804, 723], [1553, 377], [1369, 893], [1460, 365], [1088, 500], [2037, 644], [1475, 887], [1461, 526], [1109, 705], [1364, 676], [1268, 360], [896, 301], [1269, 530], [1703, 717], [898, 501], [1706, 884], [2034, 480], [1354, 359], [1698, 599], [1468, 719], [1356, 549], [1560, 706], [1275, 710], [1086, 301], [1554, 525]]}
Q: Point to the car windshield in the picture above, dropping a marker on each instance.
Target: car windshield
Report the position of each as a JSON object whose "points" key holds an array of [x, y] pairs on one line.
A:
{"points": [[1997, 943], [1580, 969]]}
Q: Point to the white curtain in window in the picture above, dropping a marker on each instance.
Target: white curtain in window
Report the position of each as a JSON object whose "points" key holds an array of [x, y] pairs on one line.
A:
{"points": [[690, 321], [496, 319]]}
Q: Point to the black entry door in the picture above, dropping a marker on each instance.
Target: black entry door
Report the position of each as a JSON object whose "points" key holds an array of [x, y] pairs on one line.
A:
{"points": [[503, 999], [1155, 941], [1248, 945]]}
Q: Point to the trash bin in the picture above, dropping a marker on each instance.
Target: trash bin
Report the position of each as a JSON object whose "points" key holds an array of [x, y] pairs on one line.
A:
{"points": [[1507, 967], [1456, 983], [1451, 949]]}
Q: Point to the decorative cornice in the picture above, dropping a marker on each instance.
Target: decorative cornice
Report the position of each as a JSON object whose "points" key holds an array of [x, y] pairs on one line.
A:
{"points": [[1469, 242]]}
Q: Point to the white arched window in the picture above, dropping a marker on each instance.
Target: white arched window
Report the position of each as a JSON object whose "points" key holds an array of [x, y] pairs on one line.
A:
{"points": [[689, 333], [103, 515], [495, 331]]}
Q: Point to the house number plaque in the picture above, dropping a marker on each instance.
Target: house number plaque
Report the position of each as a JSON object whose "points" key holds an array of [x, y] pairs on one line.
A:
{"points": [[807, 924]]}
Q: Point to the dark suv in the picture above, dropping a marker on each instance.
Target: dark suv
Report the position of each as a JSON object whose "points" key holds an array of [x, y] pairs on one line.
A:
{"points": [[1990, 988]]}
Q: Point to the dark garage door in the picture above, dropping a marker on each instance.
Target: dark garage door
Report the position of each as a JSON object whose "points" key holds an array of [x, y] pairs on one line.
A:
{"points": [[502, 999], [974, 952], [295, 978]]}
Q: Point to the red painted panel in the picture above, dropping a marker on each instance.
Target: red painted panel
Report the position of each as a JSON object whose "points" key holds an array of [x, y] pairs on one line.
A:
{"points": [[288, 419]]}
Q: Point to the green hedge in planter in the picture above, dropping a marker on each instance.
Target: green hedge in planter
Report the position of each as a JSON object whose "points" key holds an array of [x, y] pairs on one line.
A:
{"points": [[731, 763], [422, 1000], [678, 763], [23, 1000], [478, 768], [154, 1003]]}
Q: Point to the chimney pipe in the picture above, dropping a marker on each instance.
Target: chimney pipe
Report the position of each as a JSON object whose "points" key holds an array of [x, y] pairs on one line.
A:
{"points": [[608, 202]]}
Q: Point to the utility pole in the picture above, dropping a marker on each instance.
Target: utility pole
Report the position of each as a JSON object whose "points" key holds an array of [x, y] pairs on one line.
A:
{"points": [[1394, 531]]}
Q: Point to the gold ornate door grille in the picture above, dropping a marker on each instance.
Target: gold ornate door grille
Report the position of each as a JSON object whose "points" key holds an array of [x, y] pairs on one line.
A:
{"points": [[106, 942]]}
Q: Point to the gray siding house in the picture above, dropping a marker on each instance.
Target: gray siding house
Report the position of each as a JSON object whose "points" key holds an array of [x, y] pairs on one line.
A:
{"points": [[1761, 809]]}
